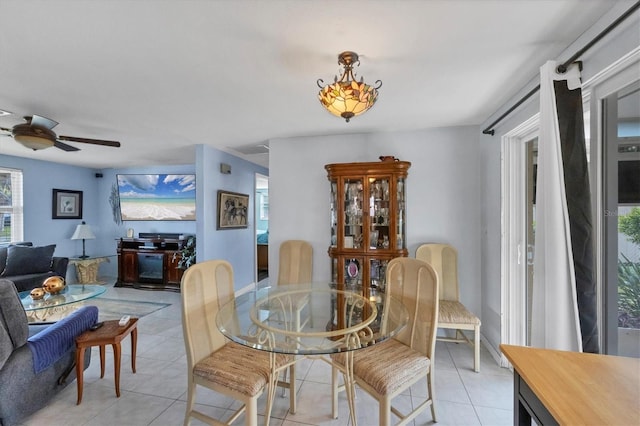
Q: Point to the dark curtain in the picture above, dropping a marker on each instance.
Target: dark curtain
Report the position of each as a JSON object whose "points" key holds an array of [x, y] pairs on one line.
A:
{"points": [[576, 181]]}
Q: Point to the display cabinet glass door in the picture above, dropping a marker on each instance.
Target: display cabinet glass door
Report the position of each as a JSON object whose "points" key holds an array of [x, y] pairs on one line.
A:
{"points": [[353, 221], [333, 203], [379, 211], [401, 213], [377, 275]]}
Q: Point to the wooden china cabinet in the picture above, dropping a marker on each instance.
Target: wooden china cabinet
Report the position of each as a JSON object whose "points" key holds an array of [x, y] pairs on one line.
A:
{"points": [[368, 226]]}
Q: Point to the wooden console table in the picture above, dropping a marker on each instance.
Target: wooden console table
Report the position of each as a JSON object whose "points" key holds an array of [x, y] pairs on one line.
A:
{"points": [[573, 388], [150, 263]]}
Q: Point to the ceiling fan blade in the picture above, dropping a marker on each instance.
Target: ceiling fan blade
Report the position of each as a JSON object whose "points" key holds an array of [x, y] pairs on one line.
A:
{"points": [[114, 144], [3, 129], [65, 147], [47, 123]]}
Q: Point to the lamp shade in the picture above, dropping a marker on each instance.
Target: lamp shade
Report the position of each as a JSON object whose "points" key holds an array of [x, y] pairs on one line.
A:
{"points": [[83, 232], [346, 97], [34, 142]]}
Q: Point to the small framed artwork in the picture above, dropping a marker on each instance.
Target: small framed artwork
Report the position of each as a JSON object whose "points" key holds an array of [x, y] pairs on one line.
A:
{"points": [[67, 204], [233, 210]]}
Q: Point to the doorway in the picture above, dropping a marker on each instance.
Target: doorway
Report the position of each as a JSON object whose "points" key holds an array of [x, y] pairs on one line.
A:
{"points": [[262, 227], [519, 165]]}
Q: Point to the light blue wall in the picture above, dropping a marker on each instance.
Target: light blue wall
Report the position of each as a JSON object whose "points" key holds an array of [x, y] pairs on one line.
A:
{"points": [[238, 246], [40, 177]]}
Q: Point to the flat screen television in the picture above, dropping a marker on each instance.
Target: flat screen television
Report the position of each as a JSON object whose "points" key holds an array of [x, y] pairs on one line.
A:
{"points": [[157, 197]]}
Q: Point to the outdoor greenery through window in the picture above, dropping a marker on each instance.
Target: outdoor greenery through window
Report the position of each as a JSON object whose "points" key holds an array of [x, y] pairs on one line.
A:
{"points": [[11, 206]]}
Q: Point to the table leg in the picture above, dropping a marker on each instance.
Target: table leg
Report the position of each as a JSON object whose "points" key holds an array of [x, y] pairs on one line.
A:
{"points": [[102, 356], [116, 362], [134, 345], [80, 372]]}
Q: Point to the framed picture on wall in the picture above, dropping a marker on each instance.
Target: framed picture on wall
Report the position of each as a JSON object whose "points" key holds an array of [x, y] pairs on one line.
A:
{"points": [[67, 204], [233, 210]]}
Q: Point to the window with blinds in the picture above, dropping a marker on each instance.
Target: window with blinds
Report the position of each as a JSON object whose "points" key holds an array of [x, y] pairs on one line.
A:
{"points": [[11, 205]]}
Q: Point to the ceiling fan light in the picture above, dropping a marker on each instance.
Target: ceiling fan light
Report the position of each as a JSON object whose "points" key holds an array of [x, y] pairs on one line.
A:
{"points": [[34, 142], [34, 137]]}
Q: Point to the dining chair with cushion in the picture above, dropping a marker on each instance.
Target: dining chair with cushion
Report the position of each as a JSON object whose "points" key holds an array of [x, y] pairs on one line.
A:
{"points": [[296, 267], [453, 314], [214, 362], [388, 369]]}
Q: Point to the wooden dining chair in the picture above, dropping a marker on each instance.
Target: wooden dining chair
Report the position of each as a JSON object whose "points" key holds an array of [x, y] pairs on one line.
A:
{"points": [[213, 362], [453, 315], [387, 369]]}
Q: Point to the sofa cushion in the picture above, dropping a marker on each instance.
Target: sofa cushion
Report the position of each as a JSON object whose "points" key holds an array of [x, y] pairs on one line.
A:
{"points": [[23, 260], [3, 257], [30, 281], [14, 328], [3, 251]]}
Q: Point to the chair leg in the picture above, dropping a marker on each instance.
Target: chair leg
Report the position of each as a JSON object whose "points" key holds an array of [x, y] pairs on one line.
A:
{"points": [[191, 397], [430, 387], [284, 379], [334, 392], [384, 411], [292, 389], [251, 413], [476, 348]]}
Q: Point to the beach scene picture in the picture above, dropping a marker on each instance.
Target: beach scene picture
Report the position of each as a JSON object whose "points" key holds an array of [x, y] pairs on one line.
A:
{"points": [[157, 197]]}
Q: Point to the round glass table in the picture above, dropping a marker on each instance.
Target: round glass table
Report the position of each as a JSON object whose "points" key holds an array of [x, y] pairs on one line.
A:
{"points": [[301, 319], [54, 307]]}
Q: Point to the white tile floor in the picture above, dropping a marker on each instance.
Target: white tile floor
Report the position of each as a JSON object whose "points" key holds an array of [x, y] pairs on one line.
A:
{"points": [[156, 394]]}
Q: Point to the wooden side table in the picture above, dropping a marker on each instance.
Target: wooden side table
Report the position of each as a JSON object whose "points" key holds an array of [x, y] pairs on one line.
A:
{"points": [[111, 333]]}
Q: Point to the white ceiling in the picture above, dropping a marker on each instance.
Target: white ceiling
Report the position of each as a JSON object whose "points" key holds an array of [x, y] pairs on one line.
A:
{"points": [[163, 76]]}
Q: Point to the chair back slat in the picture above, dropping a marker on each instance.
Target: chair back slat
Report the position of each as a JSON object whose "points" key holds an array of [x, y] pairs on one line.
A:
{"points": [[295, 263], [415, 283], [205, 287], [444, 259]]}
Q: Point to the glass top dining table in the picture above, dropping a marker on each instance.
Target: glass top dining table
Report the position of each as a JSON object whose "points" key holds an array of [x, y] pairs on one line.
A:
{"points": [[302, 319]]}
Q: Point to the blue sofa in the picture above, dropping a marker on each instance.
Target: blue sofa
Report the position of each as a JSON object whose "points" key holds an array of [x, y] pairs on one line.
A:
{"points": [[33, 369], [27, 266]]}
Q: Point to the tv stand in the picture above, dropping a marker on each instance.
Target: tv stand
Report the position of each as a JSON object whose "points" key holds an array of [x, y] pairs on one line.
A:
{"points": [[150, 263]]}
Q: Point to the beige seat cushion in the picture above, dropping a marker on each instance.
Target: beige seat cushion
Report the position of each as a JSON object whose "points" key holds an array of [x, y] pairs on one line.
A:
{"points": [[387, 365], [239, 368], [455, 312]]}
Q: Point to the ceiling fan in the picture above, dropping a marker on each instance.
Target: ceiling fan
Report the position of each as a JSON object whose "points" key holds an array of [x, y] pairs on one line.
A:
{"points": [[36, 134]]}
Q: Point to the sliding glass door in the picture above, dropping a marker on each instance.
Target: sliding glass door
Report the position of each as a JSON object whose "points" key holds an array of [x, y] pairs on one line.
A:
{"points": [[621, 220]]}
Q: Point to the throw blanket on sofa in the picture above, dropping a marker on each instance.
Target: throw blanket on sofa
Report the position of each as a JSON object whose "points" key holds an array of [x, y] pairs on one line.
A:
{"points": [[52, 343]]}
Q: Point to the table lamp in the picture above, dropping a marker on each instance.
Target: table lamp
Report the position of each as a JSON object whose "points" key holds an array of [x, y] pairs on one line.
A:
{"points": [[83, 232]]}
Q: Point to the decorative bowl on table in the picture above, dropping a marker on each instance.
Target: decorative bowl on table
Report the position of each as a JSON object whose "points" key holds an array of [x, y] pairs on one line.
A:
{"points": [[53, 285], [37, 293]]}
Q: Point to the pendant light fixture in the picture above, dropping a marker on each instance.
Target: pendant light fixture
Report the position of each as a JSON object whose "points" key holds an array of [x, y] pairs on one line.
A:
{"points": [[347, 97]]}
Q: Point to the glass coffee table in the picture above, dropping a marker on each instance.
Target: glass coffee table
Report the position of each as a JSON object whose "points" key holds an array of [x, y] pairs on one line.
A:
{"points": [[54, 307]]}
